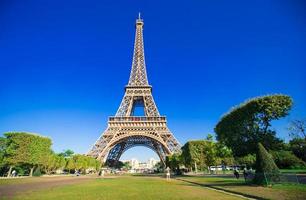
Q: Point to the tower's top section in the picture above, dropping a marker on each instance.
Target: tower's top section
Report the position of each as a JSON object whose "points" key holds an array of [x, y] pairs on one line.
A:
{"points": [[138, 75]]}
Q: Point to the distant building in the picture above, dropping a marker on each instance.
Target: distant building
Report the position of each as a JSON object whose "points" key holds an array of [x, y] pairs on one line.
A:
{"points": [[134, 163], [152, 162], [140, 167]]}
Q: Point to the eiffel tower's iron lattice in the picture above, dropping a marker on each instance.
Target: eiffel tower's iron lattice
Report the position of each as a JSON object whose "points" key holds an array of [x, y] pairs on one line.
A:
{"points": [[125, 130]]}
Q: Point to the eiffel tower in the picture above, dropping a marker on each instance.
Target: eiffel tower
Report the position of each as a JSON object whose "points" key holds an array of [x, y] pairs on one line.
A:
{"points": [[125, 130]]}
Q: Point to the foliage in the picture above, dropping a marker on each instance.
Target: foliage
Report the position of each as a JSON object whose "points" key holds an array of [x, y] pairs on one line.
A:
{"points": [[22, 151], [264, 161], [248, 160], [127, 165], [82, 163], [53, 162], [298, 147], [174, 161], [66, 153], [159, 166], [37, 172], [22, 170], [26, 148], [2, 151], [70, 164], [206, 153], [287, 160], [249, 123], [297, 129], [264, 165]]}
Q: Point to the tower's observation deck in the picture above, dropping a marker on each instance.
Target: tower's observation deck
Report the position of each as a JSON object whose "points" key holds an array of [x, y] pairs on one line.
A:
{"points": [[137, 119]]}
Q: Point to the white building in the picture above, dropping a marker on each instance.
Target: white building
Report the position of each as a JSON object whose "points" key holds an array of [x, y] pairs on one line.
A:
{"points": [[140, 167]]}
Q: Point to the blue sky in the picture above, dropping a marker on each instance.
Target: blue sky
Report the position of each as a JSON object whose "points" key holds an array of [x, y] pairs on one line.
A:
{"points": [[64, 65]]}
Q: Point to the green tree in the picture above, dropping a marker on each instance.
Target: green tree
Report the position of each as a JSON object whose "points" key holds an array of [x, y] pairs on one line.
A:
{"points": [[2, 151], [298, 147], [25, 148], [248, 160], [224, 154], [193, 154], [159, 166], [174, 161], [127, 165], [82, 163], [249, 123], [205, 153], [287, 160], [70, 164], [66, 153]]}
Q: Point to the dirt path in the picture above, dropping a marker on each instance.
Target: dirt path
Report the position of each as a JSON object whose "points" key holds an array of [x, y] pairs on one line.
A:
{"points": [[40, 183]]}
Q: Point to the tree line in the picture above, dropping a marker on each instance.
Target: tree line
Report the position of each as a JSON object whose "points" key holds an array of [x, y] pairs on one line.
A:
{"points": [[32, 154], [242, 134]]}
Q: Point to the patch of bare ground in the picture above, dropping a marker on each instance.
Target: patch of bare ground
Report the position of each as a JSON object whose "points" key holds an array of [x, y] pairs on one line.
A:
{"points": [[32, 184]]}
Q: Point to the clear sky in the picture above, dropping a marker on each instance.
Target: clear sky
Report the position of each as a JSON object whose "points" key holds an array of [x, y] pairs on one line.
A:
{"points": [[64, 64]]}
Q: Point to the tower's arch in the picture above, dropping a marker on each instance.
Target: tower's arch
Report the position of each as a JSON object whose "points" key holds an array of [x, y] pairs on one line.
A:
{"points": [[119, 146]]}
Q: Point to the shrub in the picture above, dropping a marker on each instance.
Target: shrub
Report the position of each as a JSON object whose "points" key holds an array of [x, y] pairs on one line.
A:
{"points": [[265, 166], [37, 172]]}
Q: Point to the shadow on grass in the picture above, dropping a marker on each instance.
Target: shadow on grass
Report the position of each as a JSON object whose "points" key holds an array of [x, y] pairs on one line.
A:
{"points": [[217, 186], [148, 175]]}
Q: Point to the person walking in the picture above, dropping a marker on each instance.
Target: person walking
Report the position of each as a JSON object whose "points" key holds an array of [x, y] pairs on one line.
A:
{"points": [[168, 174], [245, 174], [236, 173], [14, 173]]}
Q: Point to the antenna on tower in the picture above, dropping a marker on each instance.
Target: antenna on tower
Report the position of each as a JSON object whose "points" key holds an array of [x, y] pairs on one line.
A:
{"points": [[139, 15]]}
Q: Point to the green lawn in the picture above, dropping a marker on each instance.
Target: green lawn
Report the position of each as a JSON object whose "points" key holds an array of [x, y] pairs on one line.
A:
{"points": [[127, 187], [295, 171], [277, 192], [145, 187]]}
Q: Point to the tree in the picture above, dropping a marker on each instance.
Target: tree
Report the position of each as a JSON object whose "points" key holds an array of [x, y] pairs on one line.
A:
{"points": [[265, 166], [249, 123], [298, 147], [248, 160], [287, 160], [127, 165], [66, 153], [53, 162], [173, 162], [2, 151], [193, 154], [70, 164], [297, 129], [224, 154], [25, 148], [159, 167], [205, 153], [82, 163]]}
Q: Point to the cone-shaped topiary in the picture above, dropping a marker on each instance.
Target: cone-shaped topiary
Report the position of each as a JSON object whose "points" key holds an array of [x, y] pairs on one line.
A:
{"points": [[266, 169]]}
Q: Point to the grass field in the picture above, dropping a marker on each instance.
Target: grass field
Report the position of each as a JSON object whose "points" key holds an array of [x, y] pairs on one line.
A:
{"points": [[141, 187], [277, 192], [295, 171], [125, 187]]}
